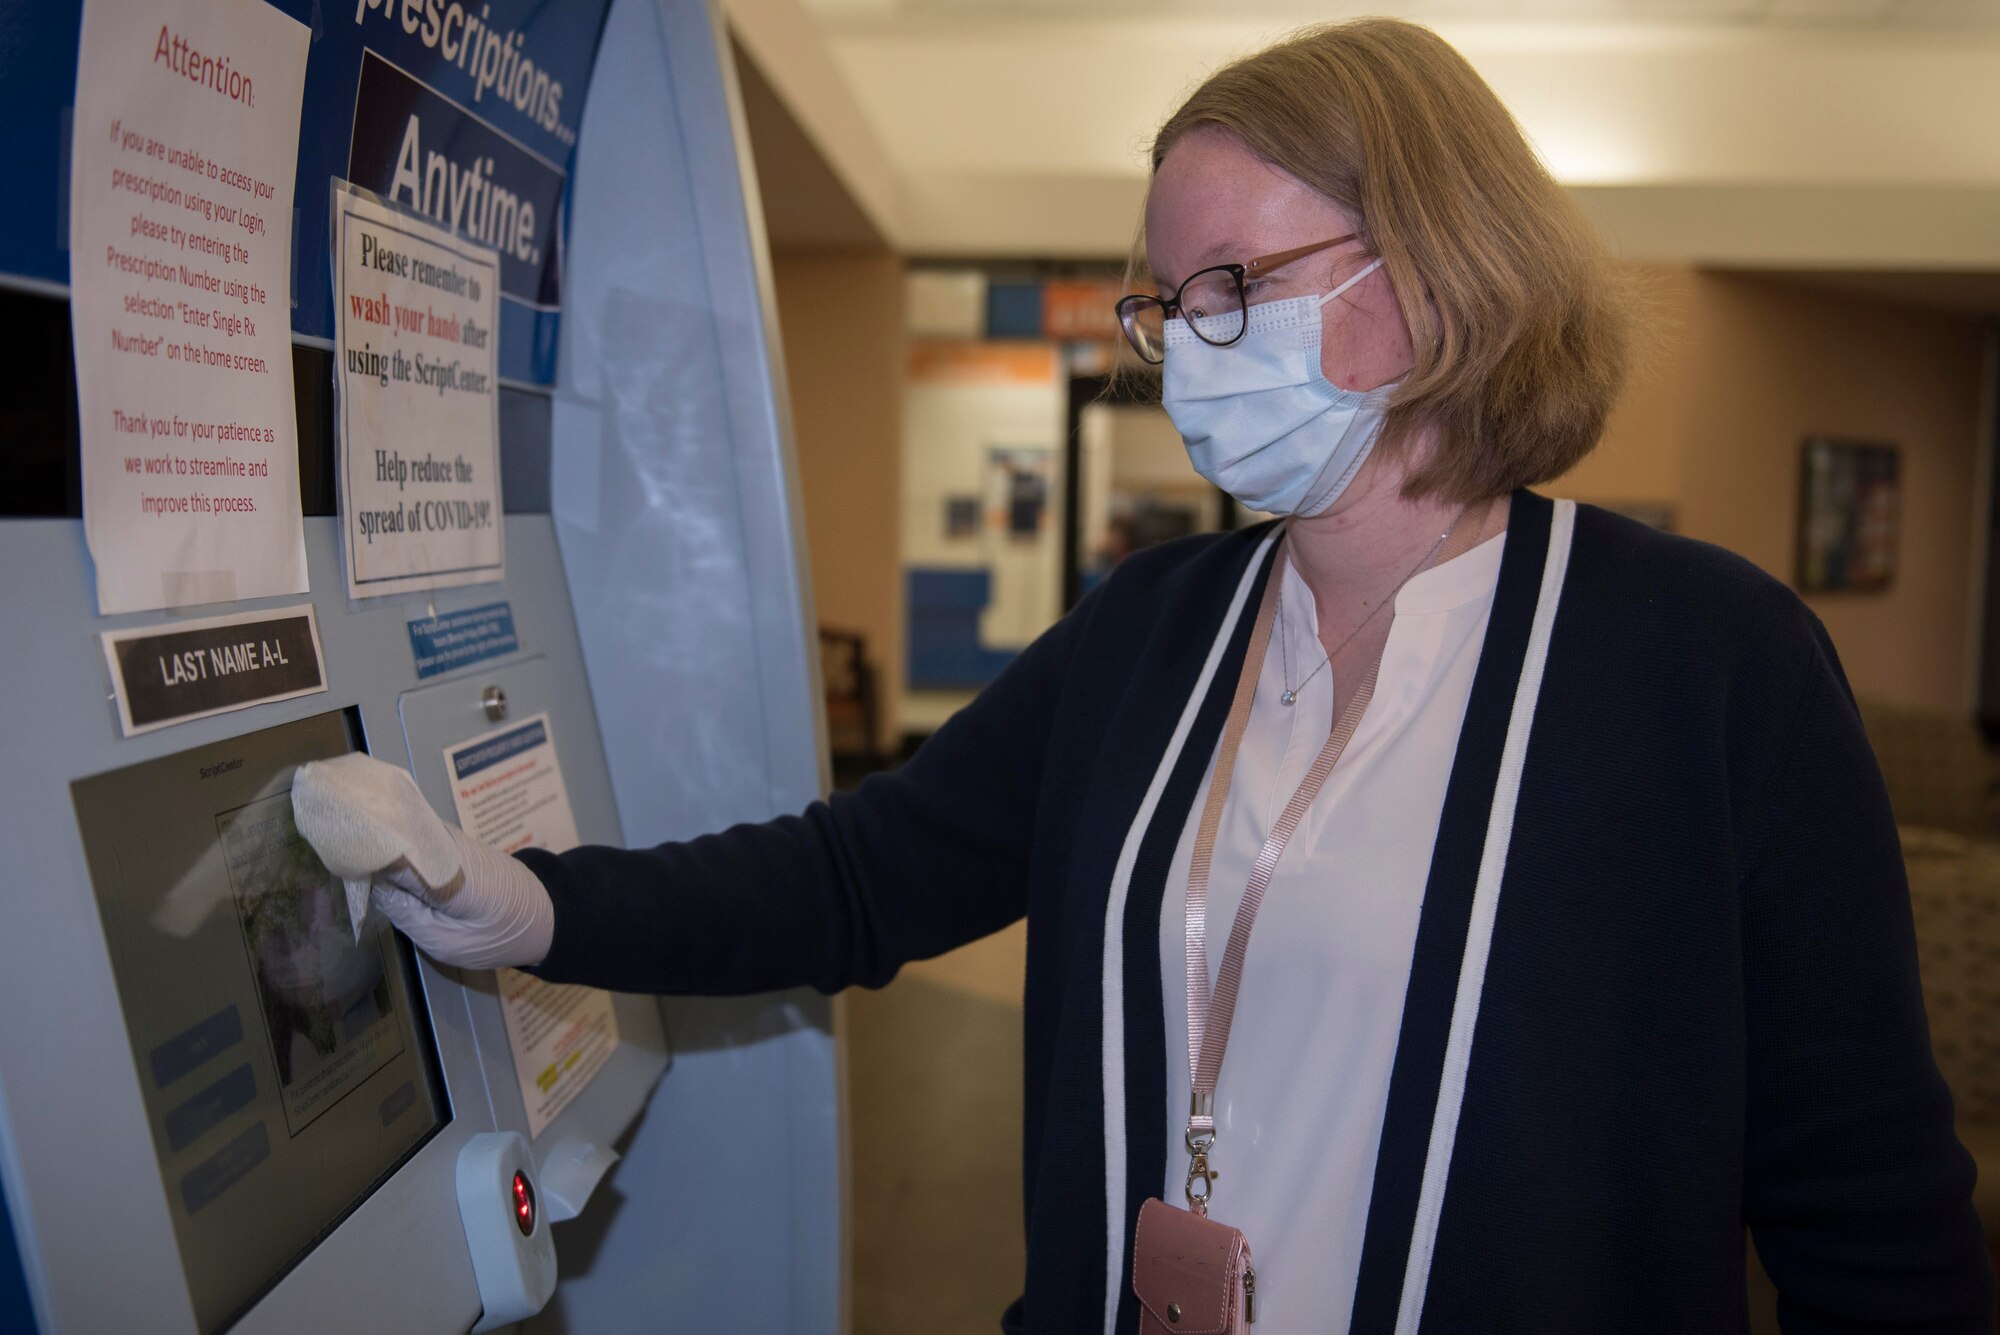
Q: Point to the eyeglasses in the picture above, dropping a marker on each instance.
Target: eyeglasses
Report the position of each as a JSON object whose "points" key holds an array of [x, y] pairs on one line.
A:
{"points": [[1211, 301]]}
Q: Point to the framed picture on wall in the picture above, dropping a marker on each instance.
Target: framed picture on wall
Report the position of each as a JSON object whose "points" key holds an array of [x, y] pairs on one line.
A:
{"points": [[1850, 515], [1019, 480], [961, 516]]}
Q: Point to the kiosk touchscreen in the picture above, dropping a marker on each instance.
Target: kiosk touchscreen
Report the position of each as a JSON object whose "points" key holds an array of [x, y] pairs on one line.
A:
{"points": [[286, 1066]]}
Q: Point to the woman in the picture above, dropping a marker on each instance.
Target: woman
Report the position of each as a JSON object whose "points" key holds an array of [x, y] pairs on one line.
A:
{"points": [[1585, 940]]}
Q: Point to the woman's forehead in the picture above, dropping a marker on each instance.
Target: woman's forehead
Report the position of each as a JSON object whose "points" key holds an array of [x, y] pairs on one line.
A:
{"points": [[1213, 202]]}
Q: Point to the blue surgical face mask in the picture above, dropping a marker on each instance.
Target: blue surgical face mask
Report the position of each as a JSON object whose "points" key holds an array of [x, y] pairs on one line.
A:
{"points": [[1260, 418]]}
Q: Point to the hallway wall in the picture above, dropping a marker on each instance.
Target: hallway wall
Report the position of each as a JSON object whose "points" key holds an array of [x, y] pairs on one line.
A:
{"points": [[1733, 373], [840, 314]]}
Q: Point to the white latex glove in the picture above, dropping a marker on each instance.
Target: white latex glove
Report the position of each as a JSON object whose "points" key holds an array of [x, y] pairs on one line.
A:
{"points": [[463, 902]]}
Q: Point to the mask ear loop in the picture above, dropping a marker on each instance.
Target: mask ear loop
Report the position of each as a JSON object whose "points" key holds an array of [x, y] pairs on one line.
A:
{"points": [[1357, 277]]}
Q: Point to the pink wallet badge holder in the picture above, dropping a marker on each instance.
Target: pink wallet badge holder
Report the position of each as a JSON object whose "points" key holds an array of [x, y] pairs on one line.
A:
{"points": [[1192, 1275]]}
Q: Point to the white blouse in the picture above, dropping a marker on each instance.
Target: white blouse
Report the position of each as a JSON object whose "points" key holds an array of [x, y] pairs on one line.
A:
{"points": [[1299, 1107]]}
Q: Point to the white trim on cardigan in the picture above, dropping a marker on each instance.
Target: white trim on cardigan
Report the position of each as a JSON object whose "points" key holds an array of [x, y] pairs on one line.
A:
{"points": [[1114, 950], [1479, 930]]}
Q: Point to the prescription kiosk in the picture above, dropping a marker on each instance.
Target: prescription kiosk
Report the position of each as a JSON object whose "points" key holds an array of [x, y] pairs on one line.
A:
{"points": [[224, 1104]]}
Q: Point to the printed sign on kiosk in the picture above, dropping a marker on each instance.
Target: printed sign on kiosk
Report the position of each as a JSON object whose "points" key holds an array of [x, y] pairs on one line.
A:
{"points": [[508, 789], [184, 150], [415, 364]]}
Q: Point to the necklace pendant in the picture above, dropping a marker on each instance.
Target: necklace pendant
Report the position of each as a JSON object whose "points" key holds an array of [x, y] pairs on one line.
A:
{"points": [[1289, 698]]}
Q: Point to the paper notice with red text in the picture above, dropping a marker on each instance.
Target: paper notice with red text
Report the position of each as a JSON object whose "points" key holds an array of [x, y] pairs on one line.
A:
{"points": [[508, 790], [183, 153], [416, 363]]}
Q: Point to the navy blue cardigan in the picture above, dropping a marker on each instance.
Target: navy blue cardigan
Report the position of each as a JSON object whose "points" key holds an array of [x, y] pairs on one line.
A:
{"points": [[1664, 983]]}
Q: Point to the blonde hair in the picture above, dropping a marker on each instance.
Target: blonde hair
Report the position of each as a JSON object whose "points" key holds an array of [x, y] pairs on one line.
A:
{"points": [[1516, 316]]}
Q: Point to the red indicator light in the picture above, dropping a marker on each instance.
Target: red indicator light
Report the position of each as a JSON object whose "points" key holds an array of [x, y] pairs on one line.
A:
{"points": [[524, 1205]]}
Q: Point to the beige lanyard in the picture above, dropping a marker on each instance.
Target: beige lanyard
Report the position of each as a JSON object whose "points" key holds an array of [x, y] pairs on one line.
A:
{"points": [[1208, 1019]]}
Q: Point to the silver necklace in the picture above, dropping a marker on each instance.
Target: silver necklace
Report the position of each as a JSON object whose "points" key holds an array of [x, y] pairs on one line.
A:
{"points": [[1290, 696]]}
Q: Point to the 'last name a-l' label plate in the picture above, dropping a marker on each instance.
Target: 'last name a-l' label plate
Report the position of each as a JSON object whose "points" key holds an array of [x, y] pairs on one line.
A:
{"points": [[173, 674]]}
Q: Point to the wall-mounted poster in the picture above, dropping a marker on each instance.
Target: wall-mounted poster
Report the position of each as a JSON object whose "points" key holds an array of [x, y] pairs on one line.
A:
{"points": [[1019, 479], [961, 516], [1850, 503]]}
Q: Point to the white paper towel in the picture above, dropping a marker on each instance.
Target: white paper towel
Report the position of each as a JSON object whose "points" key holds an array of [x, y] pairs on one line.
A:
{"points": [[366, 818]]}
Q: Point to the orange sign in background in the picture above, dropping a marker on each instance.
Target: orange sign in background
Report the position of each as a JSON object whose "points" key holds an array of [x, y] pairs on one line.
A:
{"points": [[1075, 310], [933, 359]]}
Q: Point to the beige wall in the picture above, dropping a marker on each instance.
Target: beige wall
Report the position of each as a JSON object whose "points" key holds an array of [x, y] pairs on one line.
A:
{"points": [[841, 318], [1733, 374]]}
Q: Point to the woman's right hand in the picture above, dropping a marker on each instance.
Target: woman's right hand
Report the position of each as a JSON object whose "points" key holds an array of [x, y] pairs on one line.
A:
{"points": [[462, 901]]}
